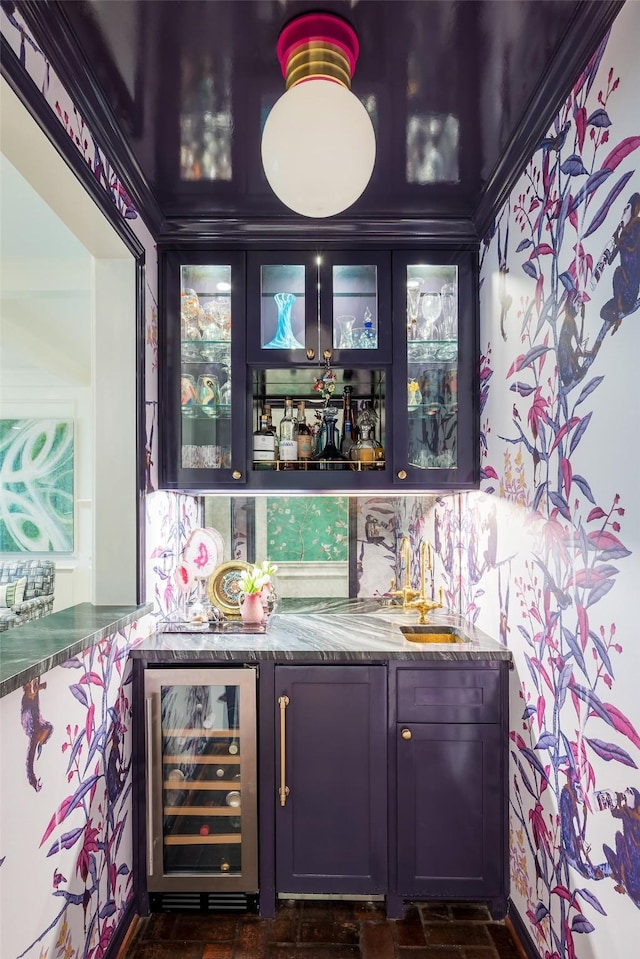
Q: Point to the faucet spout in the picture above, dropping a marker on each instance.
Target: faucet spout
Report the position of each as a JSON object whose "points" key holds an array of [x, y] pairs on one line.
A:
{"points": [[405, 560], [421, 603]]}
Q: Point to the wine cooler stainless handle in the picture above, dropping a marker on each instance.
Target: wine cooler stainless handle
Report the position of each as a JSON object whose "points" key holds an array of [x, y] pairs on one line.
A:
{"points": [[283, 791], [149, 750]]}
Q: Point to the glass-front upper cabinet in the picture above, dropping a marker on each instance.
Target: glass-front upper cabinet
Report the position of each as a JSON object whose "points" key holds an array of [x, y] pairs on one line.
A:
{"points": [[202, 344], [303, 304], [435, 387]]}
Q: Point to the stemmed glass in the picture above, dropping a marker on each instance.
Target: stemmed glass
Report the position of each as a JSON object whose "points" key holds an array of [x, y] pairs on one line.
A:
{"points": [[431, 307], [414, 289]]}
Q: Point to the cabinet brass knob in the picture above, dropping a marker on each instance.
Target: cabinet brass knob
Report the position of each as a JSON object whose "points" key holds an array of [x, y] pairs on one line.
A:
{"points": [[402, 474], [406, 734], [236, 474], [311, 354]]}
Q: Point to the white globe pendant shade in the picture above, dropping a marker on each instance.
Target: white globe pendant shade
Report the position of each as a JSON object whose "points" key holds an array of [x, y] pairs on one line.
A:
{"points": [[318, 148], [318, 144]]}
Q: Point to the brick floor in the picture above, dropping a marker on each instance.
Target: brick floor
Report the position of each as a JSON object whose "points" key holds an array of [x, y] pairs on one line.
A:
{"points": [[312, 929]]}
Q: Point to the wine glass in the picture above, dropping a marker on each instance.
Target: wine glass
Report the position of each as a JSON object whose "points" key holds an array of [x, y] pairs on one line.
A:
{"points": [[431, 308], [414, 289]]}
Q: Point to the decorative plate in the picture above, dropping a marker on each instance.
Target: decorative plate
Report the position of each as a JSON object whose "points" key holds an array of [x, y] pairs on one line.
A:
{"points": [[224, 587]]}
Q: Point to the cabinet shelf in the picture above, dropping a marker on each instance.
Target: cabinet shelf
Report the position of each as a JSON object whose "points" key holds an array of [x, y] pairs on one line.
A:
{"points": [[221, 839], [314, 466], [426, 413], [200, 412], [204, 733], [203, 760], [200, 785], [222, 811]]}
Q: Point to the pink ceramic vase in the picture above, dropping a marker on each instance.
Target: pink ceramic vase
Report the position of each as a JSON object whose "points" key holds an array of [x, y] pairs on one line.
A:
{"points": [[251, 610]]}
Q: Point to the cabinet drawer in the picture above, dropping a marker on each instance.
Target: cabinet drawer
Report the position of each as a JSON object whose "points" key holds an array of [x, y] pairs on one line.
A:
{"points": [[448, 695]]}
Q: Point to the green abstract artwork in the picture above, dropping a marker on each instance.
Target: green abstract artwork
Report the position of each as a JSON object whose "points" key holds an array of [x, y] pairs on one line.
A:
{"points": [[308, 528], [36, 486]]}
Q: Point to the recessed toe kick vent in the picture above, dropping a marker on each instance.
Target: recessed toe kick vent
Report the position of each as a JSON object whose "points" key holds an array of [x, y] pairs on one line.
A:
{"points": [[203, 902]]}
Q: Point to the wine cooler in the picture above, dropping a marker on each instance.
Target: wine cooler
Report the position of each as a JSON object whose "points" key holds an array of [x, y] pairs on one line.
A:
{"points": [[201, 780]]}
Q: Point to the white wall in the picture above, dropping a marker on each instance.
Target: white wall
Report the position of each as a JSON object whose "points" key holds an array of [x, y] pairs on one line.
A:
{"points": [[67, 348]]}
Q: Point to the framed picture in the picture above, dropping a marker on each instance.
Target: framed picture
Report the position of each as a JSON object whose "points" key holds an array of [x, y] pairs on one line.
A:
{"points": [[36, 486]]}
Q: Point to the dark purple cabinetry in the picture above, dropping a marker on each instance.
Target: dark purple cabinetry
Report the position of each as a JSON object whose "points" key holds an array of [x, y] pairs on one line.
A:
{"points": [[331, 812], [448, 740], [241, 331]]}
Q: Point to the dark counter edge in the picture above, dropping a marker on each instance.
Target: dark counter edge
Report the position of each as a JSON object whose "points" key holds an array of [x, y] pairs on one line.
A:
{"points": [[176, 657], [34, 648]]}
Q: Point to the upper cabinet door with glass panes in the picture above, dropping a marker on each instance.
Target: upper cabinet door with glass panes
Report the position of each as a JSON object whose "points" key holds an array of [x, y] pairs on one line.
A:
{"points": [[203, 342], [355, 307], [436, 438], [300, 305]]}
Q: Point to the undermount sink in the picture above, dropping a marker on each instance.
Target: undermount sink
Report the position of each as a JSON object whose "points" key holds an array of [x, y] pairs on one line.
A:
{"points": [[432, 634]]}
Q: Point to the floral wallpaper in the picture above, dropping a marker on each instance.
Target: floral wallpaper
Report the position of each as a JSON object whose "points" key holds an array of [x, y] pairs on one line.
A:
{"points": [[552, 542], [171, 518], [545, 556], [65, 815]]}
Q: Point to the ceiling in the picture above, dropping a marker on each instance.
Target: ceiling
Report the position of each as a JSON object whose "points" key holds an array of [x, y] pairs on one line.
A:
{"points": [[460, 92]]}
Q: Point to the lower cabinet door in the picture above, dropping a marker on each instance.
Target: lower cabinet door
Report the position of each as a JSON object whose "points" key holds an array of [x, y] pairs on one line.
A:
{"points": [[331, 810], [450, 812]]}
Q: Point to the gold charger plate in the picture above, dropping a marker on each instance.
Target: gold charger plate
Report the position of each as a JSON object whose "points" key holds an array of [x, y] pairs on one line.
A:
{"points": [[224, 586]]}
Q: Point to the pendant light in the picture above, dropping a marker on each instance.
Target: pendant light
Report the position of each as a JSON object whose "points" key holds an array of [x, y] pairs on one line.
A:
{"points": [[318, 144]]}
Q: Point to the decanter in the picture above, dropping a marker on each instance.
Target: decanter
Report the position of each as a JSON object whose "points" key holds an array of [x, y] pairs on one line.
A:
{"points": [[330, 457], [364, 452]]}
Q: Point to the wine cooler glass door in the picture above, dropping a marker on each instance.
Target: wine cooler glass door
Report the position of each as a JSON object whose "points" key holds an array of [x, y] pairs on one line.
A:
{"points": [[201, 755]]}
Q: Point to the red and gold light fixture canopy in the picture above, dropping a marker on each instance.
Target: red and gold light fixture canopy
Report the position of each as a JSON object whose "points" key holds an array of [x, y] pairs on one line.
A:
{"points": [[318, 144]]}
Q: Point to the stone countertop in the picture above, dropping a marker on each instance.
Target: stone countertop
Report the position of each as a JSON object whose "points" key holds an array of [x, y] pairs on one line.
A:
{"points": [[34, 648], [322, 630]]}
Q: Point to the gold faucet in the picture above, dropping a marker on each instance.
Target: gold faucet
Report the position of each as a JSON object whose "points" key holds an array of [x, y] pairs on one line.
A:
{"points": [[421, 603], [406, 592]]}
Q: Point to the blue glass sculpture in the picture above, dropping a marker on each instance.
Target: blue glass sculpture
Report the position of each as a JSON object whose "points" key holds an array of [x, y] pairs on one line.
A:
{"points": [[284, 338]]}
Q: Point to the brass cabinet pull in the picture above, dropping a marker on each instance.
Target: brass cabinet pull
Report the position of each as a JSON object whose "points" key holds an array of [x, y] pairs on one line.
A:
{"points": [[236, 474], [402, 474], [406, 733], [150, 772], [283, 791]]}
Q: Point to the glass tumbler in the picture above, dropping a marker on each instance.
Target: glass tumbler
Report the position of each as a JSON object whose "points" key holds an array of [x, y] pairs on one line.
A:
{"points": [[209, 394], [449, 302], [431, 307], [188, 394]]}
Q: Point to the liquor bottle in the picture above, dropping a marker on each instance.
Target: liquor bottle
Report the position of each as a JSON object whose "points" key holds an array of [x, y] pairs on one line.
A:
{"points": [[349, 413], [347, 443], [264, 445], [288, 438], [267, 410], [303, 437], [365, 449]]}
